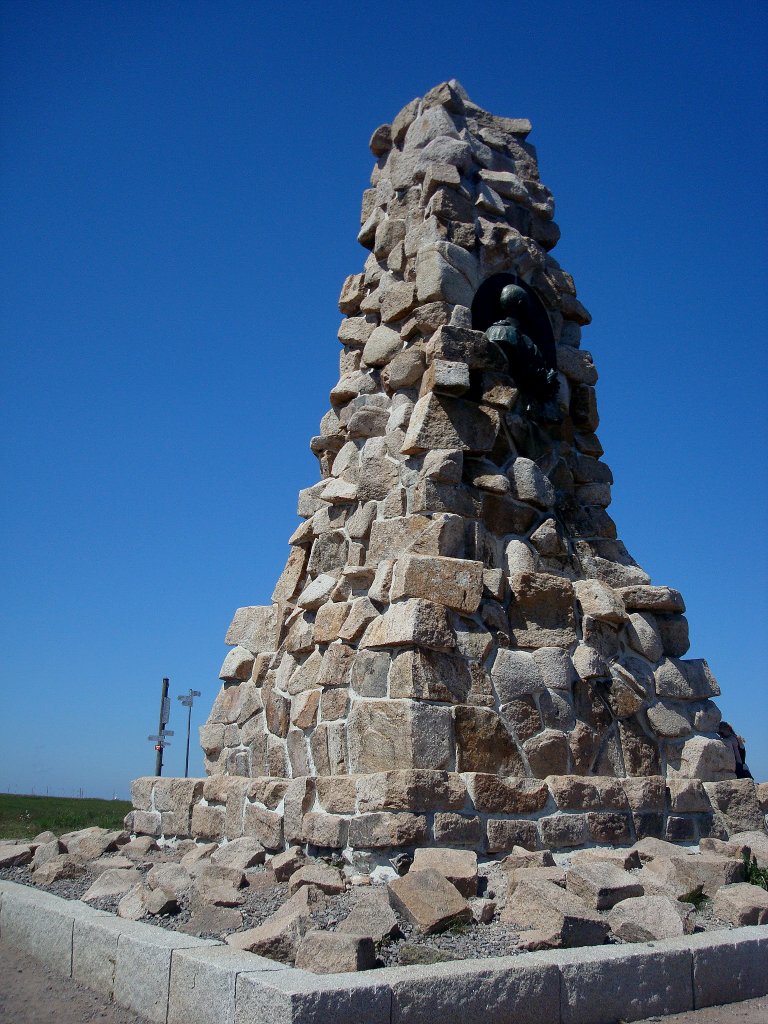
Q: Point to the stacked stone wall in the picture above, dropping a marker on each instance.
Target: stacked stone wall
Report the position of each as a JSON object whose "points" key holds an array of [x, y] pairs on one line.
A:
{"points": [[456, 599]]}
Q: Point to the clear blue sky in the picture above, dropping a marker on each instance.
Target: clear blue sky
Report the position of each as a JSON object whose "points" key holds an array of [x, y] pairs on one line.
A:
{"points": [[180, 192]]}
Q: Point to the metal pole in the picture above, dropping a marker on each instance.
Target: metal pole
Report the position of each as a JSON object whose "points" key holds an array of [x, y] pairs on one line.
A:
{"points": [[189, 726], [161, 729]]}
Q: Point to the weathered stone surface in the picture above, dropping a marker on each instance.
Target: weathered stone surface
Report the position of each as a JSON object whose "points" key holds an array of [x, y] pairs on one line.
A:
{"points": [[483, 744], [458, 866], [279, 936], [644, 637], [544, 906], [685, 680], [502, 835], [15, 855], [55, 870], [689, 872], [323, 877], [410, 790], [600, 601], [651, 599], [647, 918], [455, 582], [602, 884], [254, 629], [113, 882], [547, 753], [325, 952], [384, 829], [372, 916], [515, 674], [442, 422], [701, 757], [412, 622], [741, 904], [239, 854], [534, 874], [429, 901], [287, 863], [542, 610], [529, 483], [560, 831], [494, 795], [736, 800], [417, 534], [385, 736]]}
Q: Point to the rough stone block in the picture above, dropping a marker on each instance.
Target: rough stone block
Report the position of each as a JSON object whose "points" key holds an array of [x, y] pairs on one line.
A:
{"points": [[542, 610], [143, 968], [439, 421], [382, 830], [620, 983], [454, 582], [324, 952], [736, 800], [741, 904], [428, 900], [202, 983], [504, 835], [298, 997], [412, 622], [520, 989], [602, 885], [386, 736], [458, 866], [544, 906], [728, 966]]}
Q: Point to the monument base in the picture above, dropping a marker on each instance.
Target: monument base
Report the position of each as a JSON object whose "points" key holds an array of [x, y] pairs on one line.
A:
{"points": [[482, 812]]}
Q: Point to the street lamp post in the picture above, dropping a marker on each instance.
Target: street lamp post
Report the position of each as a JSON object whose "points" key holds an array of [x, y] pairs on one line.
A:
{"points": [[187, 699]]}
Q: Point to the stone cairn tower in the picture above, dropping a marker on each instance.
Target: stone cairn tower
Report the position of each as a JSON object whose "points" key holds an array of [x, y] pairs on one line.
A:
{"points": [[459, 650]]}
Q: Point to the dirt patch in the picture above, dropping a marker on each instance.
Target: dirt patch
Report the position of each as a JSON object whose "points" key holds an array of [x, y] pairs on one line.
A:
{"points": [[31, 994]]}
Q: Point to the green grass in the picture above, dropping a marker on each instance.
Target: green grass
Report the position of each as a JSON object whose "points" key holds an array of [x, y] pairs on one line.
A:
{"points": [[23, 817]]}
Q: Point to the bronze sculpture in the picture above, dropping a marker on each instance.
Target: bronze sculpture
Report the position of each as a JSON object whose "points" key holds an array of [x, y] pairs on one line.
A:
{"points": [[525, 359]]}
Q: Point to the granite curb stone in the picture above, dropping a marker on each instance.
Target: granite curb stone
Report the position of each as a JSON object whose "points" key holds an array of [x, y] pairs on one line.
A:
{"points": [[591, 985]]}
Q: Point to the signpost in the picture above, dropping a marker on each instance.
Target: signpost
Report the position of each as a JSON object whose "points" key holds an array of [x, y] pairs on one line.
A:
{"points": [[160, 740]]}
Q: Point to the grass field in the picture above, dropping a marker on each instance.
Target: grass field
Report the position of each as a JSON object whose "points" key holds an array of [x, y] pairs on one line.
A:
{"points": [[22, 817]]}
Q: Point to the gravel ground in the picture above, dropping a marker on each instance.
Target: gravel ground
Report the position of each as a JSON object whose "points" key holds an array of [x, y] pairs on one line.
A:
{"points": [[263, 897]]}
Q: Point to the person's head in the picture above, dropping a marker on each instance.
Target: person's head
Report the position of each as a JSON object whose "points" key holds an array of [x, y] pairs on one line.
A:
{"points": [[513, 300]]}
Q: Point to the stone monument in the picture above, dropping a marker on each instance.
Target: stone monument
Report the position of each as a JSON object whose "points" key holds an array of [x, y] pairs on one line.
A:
{"points": [[459, 650]]}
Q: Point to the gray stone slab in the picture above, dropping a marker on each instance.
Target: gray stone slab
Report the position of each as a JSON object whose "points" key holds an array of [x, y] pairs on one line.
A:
{"points": [[202, 987], [94, 952], [523, 989], [728, 966], [297, 997], [41, 924], [143, 968], [603, 984]]}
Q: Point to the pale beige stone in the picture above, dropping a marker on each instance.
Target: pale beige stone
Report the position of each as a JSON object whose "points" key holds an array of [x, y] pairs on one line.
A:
{"points": [[429, 901], [544, 906], [414, 621], [600, 601], [458, 866], [741, 904], [454, 582]]}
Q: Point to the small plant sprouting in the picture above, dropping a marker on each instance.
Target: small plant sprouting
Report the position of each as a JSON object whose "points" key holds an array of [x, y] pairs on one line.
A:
{"points": [[695, 896], [754, 874]]}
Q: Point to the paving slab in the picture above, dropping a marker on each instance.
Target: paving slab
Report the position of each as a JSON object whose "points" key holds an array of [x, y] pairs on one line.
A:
{"points": [[202, 986]]}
